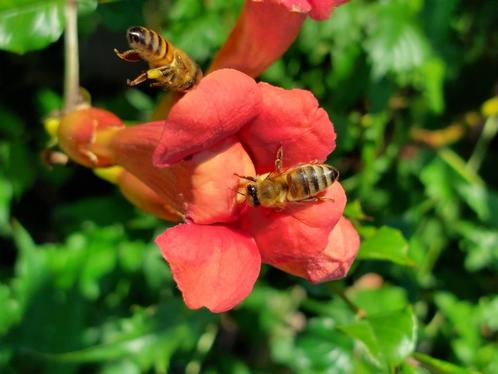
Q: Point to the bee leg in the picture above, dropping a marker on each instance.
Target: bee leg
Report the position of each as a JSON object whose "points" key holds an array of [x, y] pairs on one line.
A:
{"points": [[278, 160], [166, 75], [141, 78], [323, 198], [252, 179], [160, 72], [314, 199], [130, 55]]}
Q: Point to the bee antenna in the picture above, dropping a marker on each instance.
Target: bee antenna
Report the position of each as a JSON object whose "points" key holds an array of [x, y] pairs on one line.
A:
{"points": [[235, 189]]}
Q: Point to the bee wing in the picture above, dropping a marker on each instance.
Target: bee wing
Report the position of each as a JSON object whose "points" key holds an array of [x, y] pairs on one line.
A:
{"points": [[275, 173]]}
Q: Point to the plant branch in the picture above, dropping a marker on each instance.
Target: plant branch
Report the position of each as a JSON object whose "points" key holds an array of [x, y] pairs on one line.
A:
{"points": [[71, 58], [352, 306], [488, 133]]}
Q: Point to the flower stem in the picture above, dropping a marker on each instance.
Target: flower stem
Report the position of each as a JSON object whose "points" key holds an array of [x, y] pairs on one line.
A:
{"points": [[352, 306], [459, 165], [71, 57], [488, 133]]}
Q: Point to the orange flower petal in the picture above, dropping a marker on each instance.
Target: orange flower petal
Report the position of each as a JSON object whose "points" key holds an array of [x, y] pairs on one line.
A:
{"points": [[263, 32], [291, 119], [202, 187], [322, 9], [333, 262], [298, 231], [299, 6], [218, 107], [146, 199], [211, 193], [214, 266]]}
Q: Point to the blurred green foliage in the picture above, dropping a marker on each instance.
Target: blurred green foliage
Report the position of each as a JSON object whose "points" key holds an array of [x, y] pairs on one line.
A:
{"points": [[84, 289]]}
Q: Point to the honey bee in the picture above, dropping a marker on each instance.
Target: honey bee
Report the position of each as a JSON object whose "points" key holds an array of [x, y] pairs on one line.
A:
{"points": [[299, 183], [170, 67]]}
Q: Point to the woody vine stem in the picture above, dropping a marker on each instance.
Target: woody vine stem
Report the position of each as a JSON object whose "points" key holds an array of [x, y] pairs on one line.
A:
{"points": [[71, 63]]}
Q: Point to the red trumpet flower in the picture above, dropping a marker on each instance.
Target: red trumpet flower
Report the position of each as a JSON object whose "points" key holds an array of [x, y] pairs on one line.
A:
{"points": [[215, 265], [185, 169], [265, 30]]}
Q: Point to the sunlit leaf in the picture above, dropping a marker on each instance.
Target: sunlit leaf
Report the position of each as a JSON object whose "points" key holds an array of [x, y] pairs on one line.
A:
{"points": [[395, 43], [386, 244], [389, 338], [481, 245], [378, 300], [27, 25]]}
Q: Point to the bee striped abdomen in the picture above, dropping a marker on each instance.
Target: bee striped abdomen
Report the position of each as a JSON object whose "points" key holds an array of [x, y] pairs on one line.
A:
{"points": [[307, 181]]}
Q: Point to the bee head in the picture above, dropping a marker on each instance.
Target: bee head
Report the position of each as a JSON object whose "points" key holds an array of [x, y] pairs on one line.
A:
{"points": [[252, 194], [135, 35]]}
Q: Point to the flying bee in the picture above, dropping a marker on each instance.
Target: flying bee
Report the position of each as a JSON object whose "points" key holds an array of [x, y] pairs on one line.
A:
{"points": [[170, 67], [299, 183]]}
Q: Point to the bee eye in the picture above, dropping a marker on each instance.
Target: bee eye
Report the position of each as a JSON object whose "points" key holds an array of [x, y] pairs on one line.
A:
{"points": [[253, 195], [135, 34]]}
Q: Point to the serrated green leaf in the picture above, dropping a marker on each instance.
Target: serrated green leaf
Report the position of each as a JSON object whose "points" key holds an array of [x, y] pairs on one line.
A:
{"points": [[395, 43], [389, 338], [386, 244]]}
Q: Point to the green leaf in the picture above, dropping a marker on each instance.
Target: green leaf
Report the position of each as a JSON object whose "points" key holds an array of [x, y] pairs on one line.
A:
{"points": [[16, 160], [6, 194], [440, 181], [320, 348], [386, 244], [394, 42], [463, 318], [481, 245], [488, 307], [379, 300], [355, 211], [27, 25], [439, 366], [430, 80], [388, 338], [10, 309], [148, 338]]}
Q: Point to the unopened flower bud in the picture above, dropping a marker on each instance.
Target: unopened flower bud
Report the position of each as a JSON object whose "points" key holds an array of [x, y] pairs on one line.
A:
{"points": [[78, 132]]}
